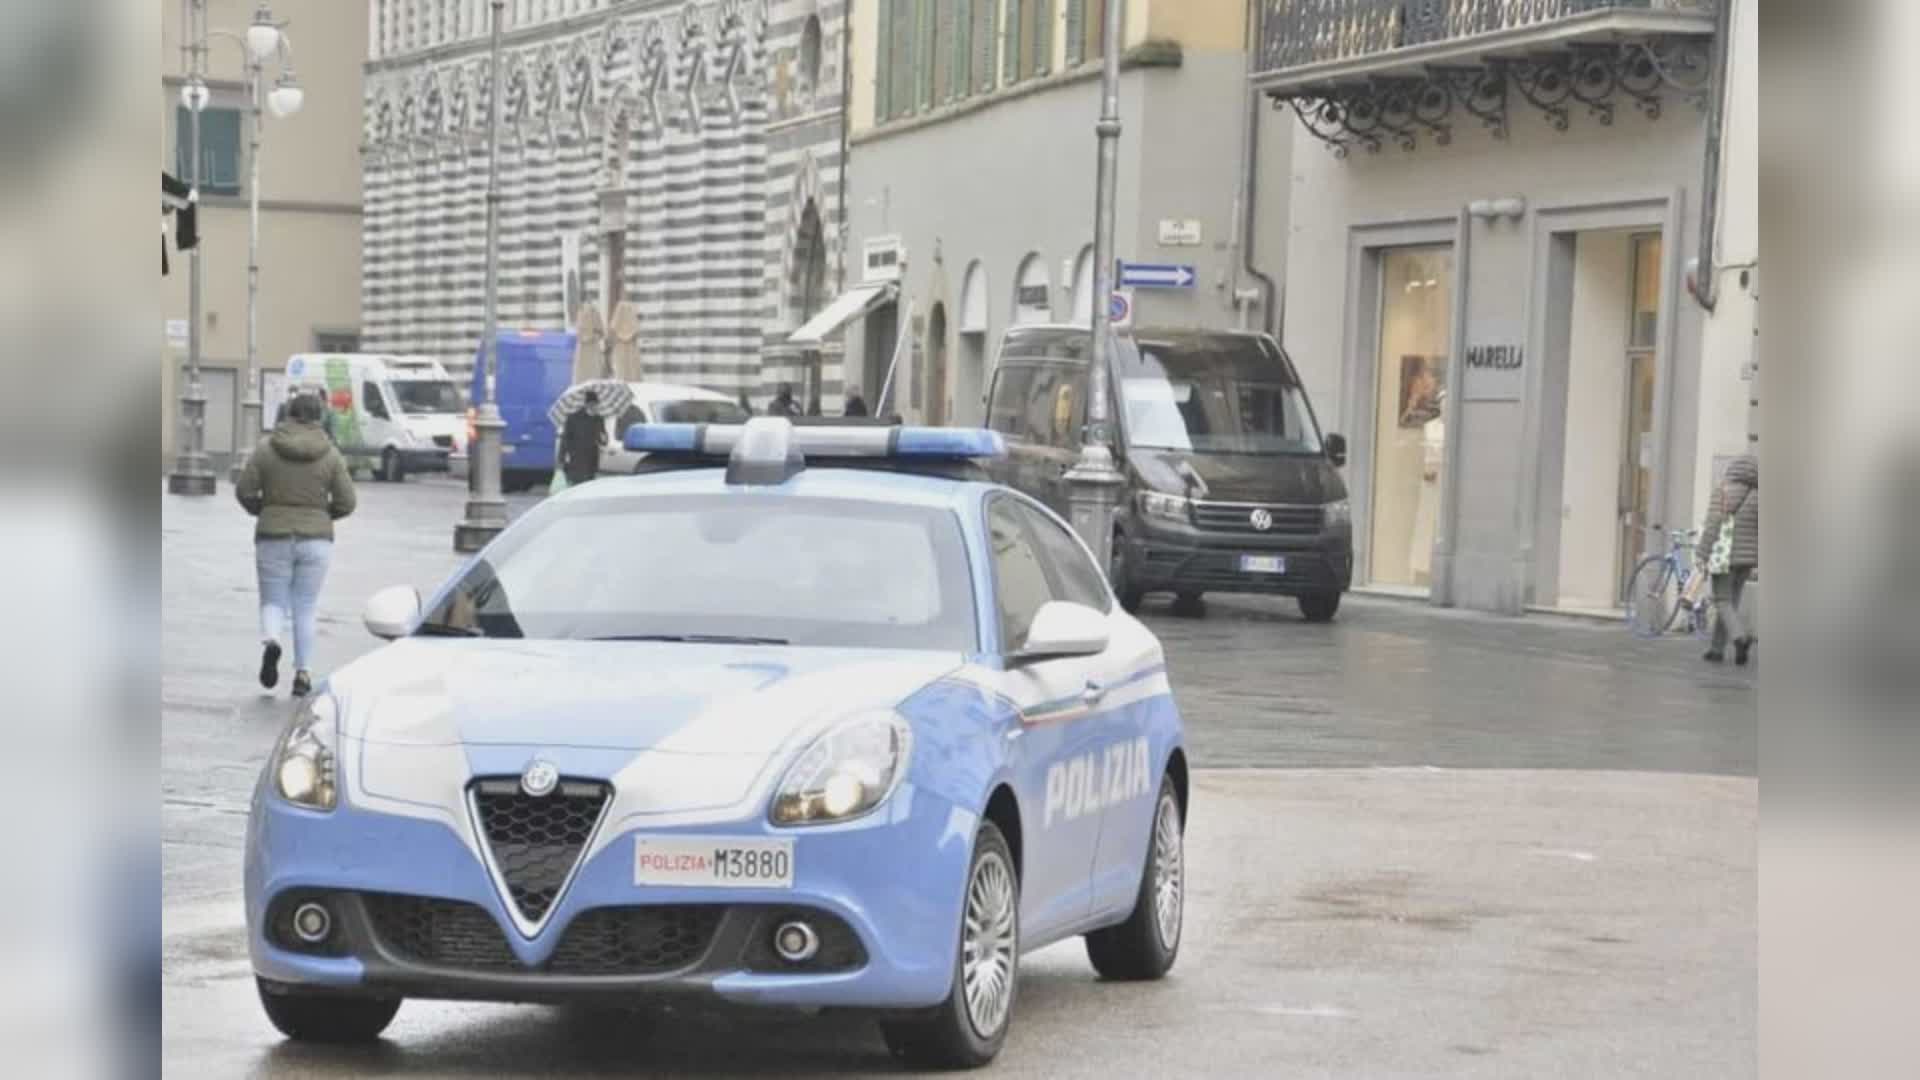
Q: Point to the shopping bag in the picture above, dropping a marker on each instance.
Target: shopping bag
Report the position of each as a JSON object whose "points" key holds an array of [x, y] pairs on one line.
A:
{"points": [[558, 484]]}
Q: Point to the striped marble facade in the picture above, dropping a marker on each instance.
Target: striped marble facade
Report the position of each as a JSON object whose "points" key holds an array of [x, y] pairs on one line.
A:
{"points": [[704, 124]]}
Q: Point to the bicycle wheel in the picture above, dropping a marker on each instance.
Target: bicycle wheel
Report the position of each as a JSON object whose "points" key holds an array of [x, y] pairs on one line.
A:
{"points": [[1652, 601]]}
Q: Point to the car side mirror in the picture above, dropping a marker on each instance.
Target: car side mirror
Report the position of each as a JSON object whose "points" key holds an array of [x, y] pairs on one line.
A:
{"points": [[391, 612], [1336, 448], [1061, 629]]}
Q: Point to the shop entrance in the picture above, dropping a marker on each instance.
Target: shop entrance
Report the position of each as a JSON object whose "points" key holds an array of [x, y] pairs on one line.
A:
{"points": [[1409, 429], [1606, 474]]}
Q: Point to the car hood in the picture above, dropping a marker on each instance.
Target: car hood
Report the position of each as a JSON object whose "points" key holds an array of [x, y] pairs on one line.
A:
{"points": [[1264, 478], [625, 696]]}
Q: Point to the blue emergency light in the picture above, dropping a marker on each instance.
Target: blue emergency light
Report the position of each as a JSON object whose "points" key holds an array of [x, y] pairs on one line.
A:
{"points": [[771, 450]]}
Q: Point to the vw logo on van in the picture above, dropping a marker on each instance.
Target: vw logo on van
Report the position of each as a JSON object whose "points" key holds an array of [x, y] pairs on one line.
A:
{"points": [[1262, 519]]}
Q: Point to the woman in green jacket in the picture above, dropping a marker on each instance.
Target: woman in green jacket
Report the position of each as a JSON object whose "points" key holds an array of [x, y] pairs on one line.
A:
{"points": [[297, 485]]}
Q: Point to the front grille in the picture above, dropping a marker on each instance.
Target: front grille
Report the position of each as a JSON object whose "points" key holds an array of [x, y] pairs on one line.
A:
{"points": [[441, 933], [536, 840], [636, 940], [1206, 569], [1238, 518], [602, 941]]}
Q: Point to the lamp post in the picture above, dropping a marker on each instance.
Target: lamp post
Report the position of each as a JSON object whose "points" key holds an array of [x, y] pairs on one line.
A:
{"points": [[191, 474], [486, 512], [1093, 482]]}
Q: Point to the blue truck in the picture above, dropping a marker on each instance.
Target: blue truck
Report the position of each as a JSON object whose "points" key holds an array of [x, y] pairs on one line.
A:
{"points": [[535, 368]]}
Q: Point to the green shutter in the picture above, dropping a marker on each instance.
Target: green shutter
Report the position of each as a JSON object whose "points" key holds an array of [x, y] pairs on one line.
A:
{"points": [[928, 47], [1042, 35], [883, 65], [1076, 32], [960, 68], [1010, 58], [902, 47], [986, 40]]}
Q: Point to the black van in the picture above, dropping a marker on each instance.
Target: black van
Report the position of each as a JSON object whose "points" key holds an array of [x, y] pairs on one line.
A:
{"points": [[1230, 485]]}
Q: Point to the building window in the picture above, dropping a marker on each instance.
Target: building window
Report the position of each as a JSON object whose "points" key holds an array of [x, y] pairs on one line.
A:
{"points": [[221, 155], [1086, 31], [336, 341], [1029, 38], [896, 84], [930, 65], [985, 37], [810, 52]]}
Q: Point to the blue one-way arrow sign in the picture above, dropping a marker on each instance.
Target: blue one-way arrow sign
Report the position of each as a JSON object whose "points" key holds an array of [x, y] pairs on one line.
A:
{"points": [[1156, 276]]}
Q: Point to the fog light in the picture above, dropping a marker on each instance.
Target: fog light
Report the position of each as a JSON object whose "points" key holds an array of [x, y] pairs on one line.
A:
{"points": [[796, 942], [312, 923]]}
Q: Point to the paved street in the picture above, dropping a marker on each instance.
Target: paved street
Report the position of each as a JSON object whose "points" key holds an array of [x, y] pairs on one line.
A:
{"points": [[1423, 842]]}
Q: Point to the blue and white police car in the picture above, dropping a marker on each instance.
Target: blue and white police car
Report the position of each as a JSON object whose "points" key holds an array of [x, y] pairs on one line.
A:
{"points": [[804, 716]]}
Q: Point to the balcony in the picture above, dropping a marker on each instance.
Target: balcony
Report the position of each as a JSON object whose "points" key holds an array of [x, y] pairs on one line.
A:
{"points": [[1368, 72]]}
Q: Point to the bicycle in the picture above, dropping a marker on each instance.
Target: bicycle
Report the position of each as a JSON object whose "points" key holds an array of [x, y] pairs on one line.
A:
{"points": [[1666, 586]]}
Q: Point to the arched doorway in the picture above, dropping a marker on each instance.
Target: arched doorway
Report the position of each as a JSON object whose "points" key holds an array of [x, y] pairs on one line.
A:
{"points": [[937, 389], [1032, 292], [970, 373], [807, 294]]}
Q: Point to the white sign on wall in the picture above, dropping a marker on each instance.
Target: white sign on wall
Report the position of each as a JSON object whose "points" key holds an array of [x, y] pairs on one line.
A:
{"points": [[177, 332], [1180, 232]]}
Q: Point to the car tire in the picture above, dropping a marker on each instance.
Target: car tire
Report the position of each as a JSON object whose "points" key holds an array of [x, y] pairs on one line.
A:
{"points": [[1146, 945], [390, 468], [1192, 605], [1320, 607], [949, 1035], [326, 1018], [1122, 576]]}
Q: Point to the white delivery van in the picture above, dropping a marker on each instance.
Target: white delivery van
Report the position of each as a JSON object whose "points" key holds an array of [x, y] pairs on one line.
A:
{"points": [[369, 421], [664, 403], [431, 401]]}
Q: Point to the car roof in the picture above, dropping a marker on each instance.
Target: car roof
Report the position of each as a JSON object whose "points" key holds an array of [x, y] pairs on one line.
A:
{"points": [[818, 481]]}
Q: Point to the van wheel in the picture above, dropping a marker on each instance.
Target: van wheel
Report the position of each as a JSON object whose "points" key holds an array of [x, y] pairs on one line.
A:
{"points": [[1320, 606], [390, 468]]}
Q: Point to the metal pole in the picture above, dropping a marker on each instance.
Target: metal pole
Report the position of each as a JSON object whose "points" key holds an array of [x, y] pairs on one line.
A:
{"points": [[486, 508], [252, 407], [1093, 481], [191, 474]]}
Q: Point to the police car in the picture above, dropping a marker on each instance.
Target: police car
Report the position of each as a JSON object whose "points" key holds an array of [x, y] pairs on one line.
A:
{"points": [[804, 716]]}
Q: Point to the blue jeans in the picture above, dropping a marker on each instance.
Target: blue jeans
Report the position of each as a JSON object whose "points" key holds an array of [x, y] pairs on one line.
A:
{"points": [[291, 573]]}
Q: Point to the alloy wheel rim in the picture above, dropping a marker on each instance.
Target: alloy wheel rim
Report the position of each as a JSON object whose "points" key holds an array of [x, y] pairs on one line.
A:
{"points": [[1169, 864], [987, 945]]}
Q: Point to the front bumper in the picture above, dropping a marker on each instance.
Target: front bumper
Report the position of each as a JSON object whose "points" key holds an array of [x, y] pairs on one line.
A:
{"points": [[884, 892], [1171, 556]]}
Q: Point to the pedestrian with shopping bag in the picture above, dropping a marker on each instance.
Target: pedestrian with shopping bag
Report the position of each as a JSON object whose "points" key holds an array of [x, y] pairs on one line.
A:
{"points": [[297, 485], [581, 441], [1730, 550]]}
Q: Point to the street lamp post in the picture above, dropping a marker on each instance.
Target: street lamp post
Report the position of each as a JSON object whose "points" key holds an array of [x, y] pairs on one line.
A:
{"points": [[1093, 482], [191, 474], [486, 511], [264, 38]]}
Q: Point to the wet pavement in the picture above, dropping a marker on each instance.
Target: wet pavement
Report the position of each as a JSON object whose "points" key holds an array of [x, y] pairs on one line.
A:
{"points": [[1424, 846]]}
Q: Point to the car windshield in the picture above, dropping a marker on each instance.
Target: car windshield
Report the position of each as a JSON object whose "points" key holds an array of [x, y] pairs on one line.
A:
{"points": [[1225, 395], [700, 412], [428, 396], [757, 569]]}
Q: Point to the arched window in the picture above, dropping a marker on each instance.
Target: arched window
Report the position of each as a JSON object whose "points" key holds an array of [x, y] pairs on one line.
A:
{"points": [[810, 52]]}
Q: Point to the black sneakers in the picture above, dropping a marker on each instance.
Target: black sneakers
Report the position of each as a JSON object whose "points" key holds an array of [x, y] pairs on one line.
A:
{"points": [[270, 664], [1740, 649], [302, 684]]}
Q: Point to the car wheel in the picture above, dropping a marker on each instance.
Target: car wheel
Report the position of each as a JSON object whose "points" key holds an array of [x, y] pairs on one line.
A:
{"points": [[390, 469], [1190, 604], [326, 1018], [1145, 946], [1122, 576], [966, 1030], [1320, 607]]}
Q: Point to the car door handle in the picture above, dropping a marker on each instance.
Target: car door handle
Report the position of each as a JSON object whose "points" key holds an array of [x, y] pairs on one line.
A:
{"points": [[1093, 693]]}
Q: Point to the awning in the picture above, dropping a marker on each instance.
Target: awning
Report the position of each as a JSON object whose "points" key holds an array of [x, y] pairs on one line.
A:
{"points": [[850, 305]]}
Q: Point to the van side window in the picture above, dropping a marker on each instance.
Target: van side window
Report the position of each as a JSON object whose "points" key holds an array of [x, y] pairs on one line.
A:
{"points": [[371, 401], [1007, 413]]}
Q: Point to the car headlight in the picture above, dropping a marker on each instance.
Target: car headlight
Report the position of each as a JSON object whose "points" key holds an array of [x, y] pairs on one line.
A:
{"points": [[846, 772], [1338, 512], [303, 766], [1172, 507]]}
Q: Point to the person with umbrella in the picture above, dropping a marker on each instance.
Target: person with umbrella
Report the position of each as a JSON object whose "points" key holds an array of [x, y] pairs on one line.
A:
{"points": [[582, 439]]}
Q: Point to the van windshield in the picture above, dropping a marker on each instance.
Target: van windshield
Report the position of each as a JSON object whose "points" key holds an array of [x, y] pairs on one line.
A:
{"points": [[428, 396], [1226, 396]]}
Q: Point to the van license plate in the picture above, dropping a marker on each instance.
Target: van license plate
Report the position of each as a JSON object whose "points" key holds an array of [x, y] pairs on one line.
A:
{"points": [[1263, 564]]}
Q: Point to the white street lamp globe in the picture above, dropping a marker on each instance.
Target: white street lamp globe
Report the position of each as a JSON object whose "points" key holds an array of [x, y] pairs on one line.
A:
{"points": [[194, 96], [286, 97], [263, 38]]}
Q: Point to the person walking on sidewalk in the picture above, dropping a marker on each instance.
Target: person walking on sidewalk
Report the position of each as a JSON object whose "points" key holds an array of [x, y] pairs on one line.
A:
{"points": [[581, 440], [1730, 550], [297, 485]]}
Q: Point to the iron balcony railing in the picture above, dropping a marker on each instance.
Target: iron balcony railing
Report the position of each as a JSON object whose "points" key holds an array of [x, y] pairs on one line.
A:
{"points": [[1296, 33]]}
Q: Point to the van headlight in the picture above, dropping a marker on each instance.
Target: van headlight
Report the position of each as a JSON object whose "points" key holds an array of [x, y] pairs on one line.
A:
{"points": [[846, 772], [1171, 507], [303, 765], [1338, 513]]}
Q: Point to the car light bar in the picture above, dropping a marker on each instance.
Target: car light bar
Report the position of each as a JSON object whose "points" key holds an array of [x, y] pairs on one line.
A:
{"points": [[770, 439]]}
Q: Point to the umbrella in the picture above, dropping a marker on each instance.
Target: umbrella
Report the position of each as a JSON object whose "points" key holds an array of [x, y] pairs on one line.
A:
{"points": [[623, 327], [613, 399]]}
